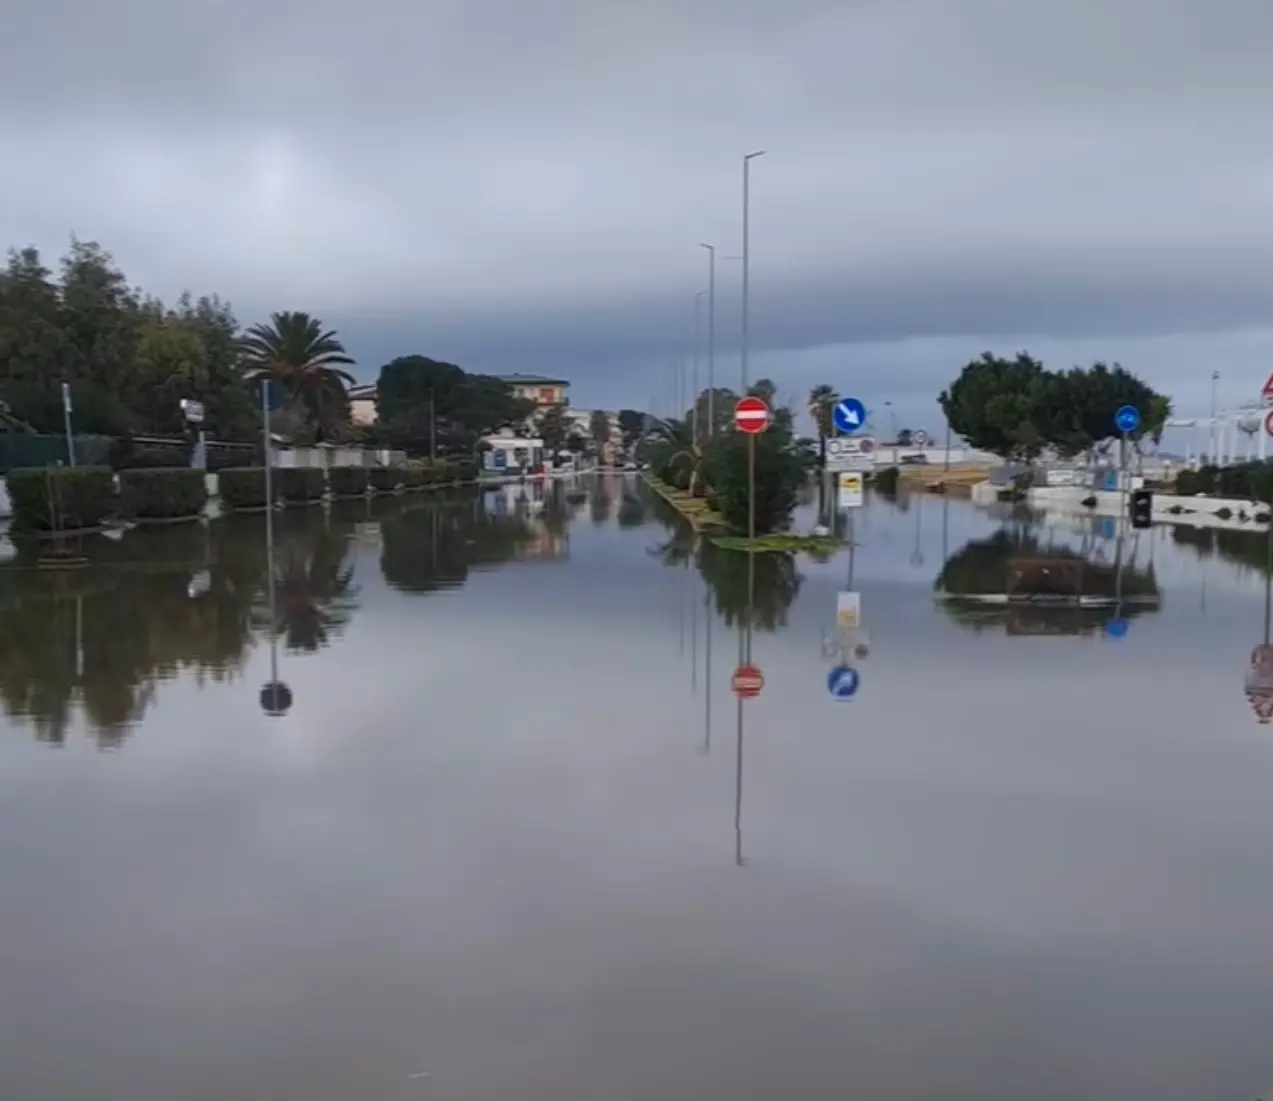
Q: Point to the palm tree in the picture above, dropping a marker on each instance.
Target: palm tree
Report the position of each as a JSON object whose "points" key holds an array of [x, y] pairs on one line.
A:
{"points": [[822, 401], [295, 352], [671, 443]]}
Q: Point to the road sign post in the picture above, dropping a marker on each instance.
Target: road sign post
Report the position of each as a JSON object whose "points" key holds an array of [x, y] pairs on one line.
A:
{"points": [[66, 419], [849, 415], [850, 453], [850, 489], [747, 681], [751, 415], [842, 682]]}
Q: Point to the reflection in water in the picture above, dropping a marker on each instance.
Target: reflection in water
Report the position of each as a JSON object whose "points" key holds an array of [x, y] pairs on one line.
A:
{"points": [[160, 602], [1012, 579], [313, 595], [100, 638]]}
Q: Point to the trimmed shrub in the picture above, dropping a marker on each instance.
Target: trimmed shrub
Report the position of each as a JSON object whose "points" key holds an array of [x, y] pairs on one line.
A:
{"points": [[299, 485], [347, 481], [61, 498], [415, 476], [465, 470], [385, 479], [243, 486], [159, 494]]}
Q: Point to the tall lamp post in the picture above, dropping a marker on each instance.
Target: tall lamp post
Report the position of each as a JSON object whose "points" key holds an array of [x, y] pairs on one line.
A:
{"points": [[747, 159], [711, 339]]}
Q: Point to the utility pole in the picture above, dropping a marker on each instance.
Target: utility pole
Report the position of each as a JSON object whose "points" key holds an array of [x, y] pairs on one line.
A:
{"points": [[747, 159], [711, 339]]}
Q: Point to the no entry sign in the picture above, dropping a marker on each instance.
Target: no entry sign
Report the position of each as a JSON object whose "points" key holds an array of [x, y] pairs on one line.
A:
{"points": [[747, 682], [751, 415]]}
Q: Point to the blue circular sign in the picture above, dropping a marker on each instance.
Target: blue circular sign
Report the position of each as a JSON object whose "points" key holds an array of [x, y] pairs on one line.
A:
{"points": [[842, 682], [849, 415], [1127, 419], [1116, 627]]}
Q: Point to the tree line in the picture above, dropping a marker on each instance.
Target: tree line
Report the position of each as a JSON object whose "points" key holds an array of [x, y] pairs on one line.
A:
{"points": [[129, 359], [1016, 408]]}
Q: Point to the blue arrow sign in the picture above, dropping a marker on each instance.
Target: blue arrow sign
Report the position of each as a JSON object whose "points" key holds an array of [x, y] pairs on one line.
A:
{"points": [[842, 682], [1127, 419], [1116, 628], [849, 415]]}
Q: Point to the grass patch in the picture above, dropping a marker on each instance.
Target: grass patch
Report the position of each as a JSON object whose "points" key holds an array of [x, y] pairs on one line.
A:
{"points": [[779, 542]]}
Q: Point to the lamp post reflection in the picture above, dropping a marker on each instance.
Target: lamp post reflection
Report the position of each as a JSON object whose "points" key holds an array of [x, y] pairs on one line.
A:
{"points": [[276, 697], [744, 656]]}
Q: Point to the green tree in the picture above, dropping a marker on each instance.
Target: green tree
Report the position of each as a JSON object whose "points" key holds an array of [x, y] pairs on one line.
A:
{"points": [[674, 455], [993, 401], [414, 389], [296, 353], [632, 426], [554, 427], [780, 471], [599, 428]]}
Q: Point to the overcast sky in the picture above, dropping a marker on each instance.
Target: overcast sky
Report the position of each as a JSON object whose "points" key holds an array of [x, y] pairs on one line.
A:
{"points": [[522, 184]]}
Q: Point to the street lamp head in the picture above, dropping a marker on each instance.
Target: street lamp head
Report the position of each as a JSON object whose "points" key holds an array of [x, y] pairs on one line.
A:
{"points": [[710, 248], [750, 156]]}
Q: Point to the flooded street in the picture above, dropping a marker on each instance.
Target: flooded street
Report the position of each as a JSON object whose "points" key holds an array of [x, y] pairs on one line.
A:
{"points": [[516, 839]]}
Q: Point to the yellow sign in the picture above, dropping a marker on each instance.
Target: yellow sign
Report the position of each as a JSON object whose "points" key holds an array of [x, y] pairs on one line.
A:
{"points": [[851, 489]]}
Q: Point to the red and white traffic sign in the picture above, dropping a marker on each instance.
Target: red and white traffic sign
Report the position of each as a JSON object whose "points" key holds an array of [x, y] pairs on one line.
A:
{"points": [[1262, 705], [747, 682], [1267, 392], [1268, 423], [751, 415]]}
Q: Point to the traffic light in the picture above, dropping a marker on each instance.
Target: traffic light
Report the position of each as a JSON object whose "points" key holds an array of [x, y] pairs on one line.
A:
{"points": [[1142, 507]]}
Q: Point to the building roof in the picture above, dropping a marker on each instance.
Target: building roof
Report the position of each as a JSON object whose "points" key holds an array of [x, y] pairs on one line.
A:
{"points": [[532, 380], [363, 390]]}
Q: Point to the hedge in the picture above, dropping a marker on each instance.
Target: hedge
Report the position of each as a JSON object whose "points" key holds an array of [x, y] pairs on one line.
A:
{"points": [[159, 494], [416, 476], [1251, 481], [299, 485], [347, 481], [61, 498], [885, 481], [385, 479], [242, 486]]}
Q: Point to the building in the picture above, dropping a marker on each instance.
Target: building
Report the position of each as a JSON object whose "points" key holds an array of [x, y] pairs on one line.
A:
{"points": [[542, 391]]}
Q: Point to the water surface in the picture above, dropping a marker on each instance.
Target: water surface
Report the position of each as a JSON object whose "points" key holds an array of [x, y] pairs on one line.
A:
{"points": [[514, 837]]}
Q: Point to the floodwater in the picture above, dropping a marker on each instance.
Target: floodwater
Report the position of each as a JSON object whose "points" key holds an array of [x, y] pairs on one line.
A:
{"points": [[515, 838]]}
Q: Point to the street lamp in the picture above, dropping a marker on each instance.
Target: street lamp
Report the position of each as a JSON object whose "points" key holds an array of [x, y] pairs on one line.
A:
{"points": [[711, 338], [747, 159]]}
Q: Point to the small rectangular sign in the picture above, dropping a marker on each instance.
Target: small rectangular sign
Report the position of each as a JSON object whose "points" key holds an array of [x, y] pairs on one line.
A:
{"points": [[848, 611], [850, 453], [850, 489]]}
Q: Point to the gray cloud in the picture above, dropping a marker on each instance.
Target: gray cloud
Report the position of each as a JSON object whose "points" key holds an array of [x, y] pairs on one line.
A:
{"points": [[523, 184]]}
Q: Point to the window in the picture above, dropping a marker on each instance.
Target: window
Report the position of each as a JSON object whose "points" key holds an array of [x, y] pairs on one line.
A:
{"points": [[547, 395]]}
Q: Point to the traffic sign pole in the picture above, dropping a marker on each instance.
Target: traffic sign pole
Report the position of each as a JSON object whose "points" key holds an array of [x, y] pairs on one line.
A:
{"points": [[751, 488]]}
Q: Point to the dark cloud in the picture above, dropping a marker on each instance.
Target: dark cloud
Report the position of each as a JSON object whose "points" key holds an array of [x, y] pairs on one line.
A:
{"points": [[523, 184]]}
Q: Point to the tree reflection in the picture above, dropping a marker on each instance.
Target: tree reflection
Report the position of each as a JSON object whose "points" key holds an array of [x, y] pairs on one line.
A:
{"points": [[313, 583], [774, 576], [983, 568], [434, 547], [102, 637]]}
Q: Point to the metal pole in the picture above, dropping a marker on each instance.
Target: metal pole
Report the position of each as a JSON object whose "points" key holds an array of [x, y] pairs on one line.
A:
{"points": [[66, 418], [947, 463], [433, 427], [1215, 377], [747, 159], [698, 337], [269, 525], [711, 340], [751, 486]]}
